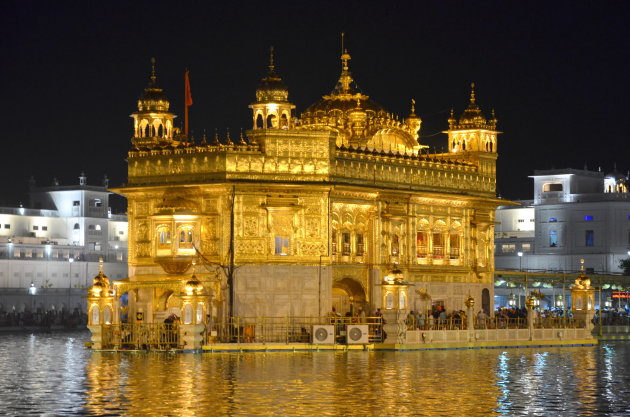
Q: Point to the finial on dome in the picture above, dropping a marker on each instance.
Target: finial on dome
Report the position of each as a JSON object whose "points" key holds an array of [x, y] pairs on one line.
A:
{"points": [[413, 107], [345, 56], [472, 93], [153, 71], [100, 265], [271, 65], [242, 141], [216, 141]]}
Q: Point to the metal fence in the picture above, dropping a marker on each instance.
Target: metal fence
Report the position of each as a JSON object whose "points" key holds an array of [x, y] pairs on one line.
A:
{"points": [[286, 329], [149, 336], [491, 323]]}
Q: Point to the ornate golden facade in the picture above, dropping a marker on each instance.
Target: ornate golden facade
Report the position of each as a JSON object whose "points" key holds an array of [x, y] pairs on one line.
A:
{"points": [[310, 211]]}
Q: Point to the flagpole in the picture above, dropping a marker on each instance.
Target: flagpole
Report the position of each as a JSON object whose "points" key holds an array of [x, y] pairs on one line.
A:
{"points": [[186, 88]]}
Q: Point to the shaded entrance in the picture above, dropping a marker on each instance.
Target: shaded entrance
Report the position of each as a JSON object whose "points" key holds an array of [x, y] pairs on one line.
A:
{"points": [[485, 301], [348, 296]]}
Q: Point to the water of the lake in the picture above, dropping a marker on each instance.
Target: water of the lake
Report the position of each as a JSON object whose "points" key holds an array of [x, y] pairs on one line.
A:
{"points": [[55, 375]]}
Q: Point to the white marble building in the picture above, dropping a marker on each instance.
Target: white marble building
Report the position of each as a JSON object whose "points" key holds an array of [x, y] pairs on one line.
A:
{"points": [[50, 250]]}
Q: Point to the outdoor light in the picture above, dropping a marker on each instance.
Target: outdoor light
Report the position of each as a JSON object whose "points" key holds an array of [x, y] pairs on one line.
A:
{"points": [[32, 290], [511, 300]]}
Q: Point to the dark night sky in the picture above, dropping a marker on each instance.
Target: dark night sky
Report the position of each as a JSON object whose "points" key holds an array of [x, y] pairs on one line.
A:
{"points": [[557, 74]]}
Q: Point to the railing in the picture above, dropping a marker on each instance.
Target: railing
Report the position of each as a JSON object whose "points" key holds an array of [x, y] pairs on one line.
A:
{"points": [[285, 329], [451, 323], [149, 336]]}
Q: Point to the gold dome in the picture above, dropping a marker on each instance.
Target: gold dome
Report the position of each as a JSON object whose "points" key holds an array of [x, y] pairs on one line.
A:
{"points": [[472, 117], [271, 87], [359, 120], [100, 284], [394, 276], [153, 97], [193, 286]]}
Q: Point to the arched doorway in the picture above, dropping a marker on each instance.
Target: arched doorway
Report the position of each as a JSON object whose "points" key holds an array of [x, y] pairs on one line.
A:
{"points": [[348, 296], [485, 301]]}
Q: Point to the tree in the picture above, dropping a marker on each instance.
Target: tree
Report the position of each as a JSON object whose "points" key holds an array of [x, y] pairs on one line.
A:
{"points": [[625, 265]]}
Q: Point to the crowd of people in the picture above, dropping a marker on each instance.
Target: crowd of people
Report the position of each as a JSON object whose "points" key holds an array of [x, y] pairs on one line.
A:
{"points": [[43, 319]]}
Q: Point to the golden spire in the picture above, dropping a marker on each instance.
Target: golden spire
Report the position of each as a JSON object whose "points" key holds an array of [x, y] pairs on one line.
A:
{"points": [[242, 141], [271, 66], [100, 266], [472, 93], [153, 71], [413, 108]]}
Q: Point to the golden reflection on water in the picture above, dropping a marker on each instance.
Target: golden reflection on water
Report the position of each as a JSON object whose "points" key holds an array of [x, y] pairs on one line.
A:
{"points": [[549, 381], [310, 384], [53, 374]]}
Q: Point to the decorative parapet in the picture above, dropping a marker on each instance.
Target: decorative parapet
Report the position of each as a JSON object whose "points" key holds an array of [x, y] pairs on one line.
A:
{"points": [[311, 156]]}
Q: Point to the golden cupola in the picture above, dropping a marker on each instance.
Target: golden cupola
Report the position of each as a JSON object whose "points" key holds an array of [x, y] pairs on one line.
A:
{"points": [[472, 117], [272, 109], [358, 120], [472, 132], [153, 123], [100, 284]]}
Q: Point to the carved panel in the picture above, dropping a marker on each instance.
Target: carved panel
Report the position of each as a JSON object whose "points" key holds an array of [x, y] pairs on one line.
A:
{"points": [[312, 226], [250, 226], [250, 247], [312, 248]]}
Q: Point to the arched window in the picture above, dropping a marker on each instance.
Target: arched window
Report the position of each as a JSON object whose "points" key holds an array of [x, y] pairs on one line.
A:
{"points": [[395, 245], [272, 121], [360, 244], [186, 238], [199, 314], [76, 226], [259, 121], [345, 243], [284, 122], [96, 315], [333, 242], [188, 314], [160, 131], [438, 245], [421, 244], [107, 315], [402, 300], [97, 227], [163, 237], [454, 242], [389, 301]]}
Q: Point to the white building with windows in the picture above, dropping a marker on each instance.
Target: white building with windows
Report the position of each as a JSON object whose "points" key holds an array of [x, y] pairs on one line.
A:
{"points": [[50, 251], [574, 214]]}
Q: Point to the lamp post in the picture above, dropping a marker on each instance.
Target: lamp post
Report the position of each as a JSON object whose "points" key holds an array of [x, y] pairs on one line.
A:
{"points": [[70, 260], [32, 290], [520, 260]]}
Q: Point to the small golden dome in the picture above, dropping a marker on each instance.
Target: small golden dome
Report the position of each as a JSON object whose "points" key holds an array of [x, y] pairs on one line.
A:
{"points": [[193, 286], [153, 97], [100, 284], [472, 117], [271, 88], [394, 276]]}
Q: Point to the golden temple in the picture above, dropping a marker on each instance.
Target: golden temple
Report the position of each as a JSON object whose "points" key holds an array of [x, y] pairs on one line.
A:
{"points": [[302, 214]]}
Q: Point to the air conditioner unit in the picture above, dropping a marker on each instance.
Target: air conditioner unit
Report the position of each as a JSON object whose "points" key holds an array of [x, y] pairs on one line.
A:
{"points": [[323, 334], [357, 334]]}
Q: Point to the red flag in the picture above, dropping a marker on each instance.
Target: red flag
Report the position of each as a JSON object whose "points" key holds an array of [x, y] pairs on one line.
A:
{"points": [[188, 97]]}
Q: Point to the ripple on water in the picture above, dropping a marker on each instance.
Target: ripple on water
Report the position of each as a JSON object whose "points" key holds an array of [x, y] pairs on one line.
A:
{"points": [[53, 374]]}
